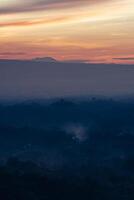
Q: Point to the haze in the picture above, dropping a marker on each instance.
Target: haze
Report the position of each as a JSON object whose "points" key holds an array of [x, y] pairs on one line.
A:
{"points": [[49, 80]]}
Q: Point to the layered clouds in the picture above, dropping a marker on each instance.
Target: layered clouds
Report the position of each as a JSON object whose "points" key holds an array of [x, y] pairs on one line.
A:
{"points": [[67, 30], [15, 6]]}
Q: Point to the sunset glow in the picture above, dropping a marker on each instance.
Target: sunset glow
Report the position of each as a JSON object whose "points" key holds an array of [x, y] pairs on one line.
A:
{"points": [[94, 30]]}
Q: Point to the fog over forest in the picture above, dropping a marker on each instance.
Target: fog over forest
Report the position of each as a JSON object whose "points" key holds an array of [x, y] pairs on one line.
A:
{"points": [[66, 131]]}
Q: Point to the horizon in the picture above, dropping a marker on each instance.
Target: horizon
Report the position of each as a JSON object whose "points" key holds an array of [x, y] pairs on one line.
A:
{"points": [[54, 60]]}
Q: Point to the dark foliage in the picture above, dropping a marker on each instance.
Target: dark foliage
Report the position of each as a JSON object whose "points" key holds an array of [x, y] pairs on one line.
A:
{"points": [[66, 150]]}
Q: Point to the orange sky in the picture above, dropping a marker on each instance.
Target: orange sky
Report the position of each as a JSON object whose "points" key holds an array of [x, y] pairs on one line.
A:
{"points": [[94, 30]]}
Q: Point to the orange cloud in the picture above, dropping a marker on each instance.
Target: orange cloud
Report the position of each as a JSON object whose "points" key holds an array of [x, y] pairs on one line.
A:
{"points": [[35, 22]]}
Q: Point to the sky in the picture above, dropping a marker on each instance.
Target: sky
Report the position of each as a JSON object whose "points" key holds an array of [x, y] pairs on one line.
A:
{"points": [[87, 30]]}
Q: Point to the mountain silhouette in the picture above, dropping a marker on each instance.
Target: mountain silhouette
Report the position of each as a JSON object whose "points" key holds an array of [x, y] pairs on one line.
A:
{"points": [[45, 59]]}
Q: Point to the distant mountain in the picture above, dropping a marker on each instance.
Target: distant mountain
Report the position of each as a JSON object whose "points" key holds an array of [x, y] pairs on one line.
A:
{"points": [[45, 59], [53, 60]]}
